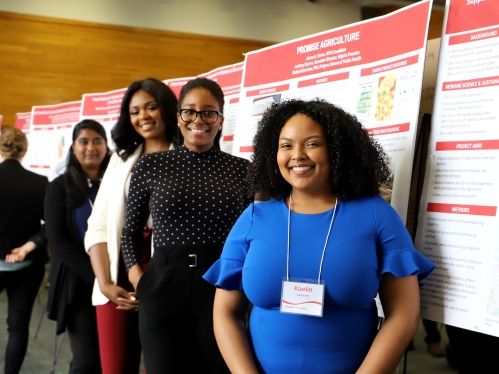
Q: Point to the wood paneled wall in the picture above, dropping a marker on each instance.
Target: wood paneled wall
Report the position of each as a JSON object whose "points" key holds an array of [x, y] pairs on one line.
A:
{"points": [[50, 61]]}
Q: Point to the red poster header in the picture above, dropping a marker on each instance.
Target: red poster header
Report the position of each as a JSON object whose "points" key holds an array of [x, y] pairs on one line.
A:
{"points": [[322, 80], [387, 130], [177, 84], [228, 77], [234, 100], [471, 83], [246, 149], [474, 36], [22, 121], [476, 210], [361, 43], [464, 145], [102, 104], [56, 114], [466, 15], [390, 66], [268, 90]]}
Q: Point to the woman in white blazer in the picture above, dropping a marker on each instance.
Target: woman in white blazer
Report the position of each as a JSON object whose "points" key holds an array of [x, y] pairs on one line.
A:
{"points": [[147, 124]]}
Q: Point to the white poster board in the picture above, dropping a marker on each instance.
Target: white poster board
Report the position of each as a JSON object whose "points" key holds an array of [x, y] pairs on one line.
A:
{"points": [[51, 129], [372, 69], [229, 79], [457, 224]]}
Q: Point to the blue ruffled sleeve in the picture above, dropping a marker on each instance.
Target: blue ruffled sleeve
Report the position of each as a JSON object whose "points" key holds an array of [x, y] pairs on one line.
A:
{"points": [[226, 273], [395, 248]]}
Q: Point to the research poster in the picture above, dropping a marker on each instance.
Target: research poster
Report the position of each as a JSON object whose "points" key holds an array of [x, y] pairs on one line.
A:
{"points": [[229, 79], [372, 69], [457, 223], [104, 108], [51, 128], [22, 122], [176, 84]]}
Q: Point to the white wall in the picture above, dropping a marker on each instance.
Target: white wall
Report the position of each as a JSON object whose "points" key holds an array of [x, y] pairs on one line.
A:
{"points": [[266, 20]]}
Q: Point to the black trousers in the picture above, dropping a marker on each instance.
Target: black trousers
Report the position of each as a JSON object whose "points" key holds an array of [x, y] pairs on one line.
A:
{"points": [[81, 325], [475, 353], [432, 333], [176, 312], [22, 287]]}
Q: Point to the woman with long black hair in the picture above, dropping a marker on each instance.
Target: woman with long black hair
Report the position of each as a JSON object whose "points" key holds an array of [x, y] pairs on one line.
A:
{"points": [[147, 124], [68, 204]]}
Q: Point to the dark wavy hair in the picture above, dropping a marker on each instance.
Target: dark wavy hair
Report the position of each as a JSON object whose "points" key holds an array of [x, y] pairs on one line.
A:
{"points": [[75, 178], [125, 137], [358, 163], [213, 88]]}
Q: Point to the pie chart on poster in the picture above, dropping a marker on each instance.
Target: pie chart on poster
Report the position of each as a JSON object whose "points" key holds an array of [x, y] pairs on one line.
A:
{"points": [[60, 150]]}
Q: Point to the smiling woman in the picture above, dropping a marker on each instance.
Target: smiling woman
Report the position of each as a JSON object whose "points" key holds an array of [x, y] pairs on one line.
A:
{"points": [[146, 125], [321, 249], [194, 194]]}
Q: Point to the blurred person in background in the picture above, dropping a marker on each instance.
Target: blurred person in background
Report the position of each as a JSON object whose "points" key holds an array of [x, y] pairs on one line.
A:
{"points": [[23, 251]]}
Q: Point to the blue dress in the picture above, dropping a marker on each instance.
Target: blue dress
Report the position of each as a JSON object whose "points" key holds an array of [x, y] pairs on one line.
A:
{"points": [[367, 240]]}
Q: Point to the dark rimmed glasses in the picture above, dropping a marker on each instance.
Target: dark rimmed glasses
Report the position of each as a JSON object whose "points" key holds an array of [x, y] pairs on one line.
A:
{"points": [[207, 116]]}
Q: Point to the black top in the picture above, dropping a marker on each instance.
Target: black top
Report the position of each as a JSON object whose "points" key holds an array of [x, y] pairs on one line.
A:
{"points": [[70, 268], [21, 209], [194, 198]]}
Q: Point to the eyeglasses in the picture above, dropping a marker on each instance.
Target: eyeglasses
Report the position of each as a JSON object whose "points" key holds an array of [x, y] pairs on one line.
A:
{"points": [[207, 116]]}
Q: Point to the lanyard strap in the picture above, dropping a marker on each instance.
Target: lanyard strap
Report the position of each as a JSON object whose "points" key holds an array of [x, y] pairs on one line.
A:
{"points": [[325, 244]]}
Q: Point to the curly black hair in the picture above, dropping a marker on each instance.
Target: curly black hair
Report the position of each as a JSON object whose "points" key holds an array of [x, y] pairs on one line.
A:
{"points": [[358, 163]]}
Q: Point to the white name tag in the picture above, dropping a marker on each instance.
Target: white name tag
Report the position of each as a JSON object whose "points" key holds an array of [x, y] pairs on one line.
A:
{"points": [[304, 296]]}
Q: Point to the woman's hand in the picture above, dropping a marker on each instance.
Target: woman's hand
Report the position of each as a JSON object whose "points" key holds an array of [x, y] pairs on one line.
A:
{"points": [[134, 275], [122, 298], [19, 254]]}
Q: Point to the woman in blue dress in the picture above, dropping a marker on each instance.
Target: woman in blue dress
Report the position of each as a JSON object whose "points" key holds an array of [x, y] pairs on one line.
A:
{"points": [[313, 257]]}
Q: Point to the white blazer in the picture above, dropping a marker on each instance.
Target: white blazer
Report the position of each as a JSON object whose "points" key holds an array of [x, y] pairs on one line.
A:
{"points": [[106, 222]]}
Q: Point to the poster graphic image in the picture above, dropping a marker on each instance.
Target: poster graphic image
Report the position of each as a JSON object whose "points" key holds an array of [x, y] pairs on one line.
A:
{"points": [[261, 104], [386, 94], [365, 99]]}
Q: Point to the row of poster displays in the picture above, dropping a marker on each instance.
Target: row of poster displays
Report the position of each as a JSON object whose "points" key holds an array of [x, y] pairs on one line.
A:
{"points": [[374, 70]]}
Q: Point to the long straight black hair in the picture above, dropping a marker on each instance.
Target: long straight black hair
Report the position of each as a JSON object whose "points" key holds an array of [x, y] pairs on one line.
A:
{"points": [[125, 137], [75, 178]]}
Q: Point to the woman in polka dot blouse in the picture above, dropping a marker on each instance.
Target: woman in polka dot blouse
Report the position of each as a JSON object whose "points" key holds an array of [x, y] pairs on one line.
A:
{"points": [[195, 194]]}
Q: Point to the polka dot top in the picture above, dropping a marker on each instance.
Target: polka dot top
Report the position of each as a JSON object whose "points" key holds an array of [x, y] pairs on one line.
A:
{"points": [[193, 198]]}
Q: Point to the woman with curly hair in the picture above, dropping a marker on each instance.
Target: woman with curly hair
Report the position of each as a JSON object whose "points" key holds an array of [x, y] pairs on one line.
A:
{"points": [[313, 258]]}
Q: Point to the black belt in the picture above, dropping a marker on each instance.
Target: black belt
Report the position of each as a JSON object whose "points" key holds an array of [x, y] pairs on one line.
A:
{"points": [[192, 259]]}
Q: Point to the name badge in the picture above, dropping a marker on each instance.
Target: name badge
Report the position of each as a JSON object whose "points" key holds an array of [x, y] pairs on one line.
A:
{"points": [[302, 296]]}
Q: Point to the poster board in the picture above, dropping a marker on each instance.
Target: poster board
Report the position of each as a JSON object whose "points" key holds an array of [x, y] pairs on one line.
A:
{"points": [[103, 107], [51, 129], [229, 79], [371, 69], [457, 223]]}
